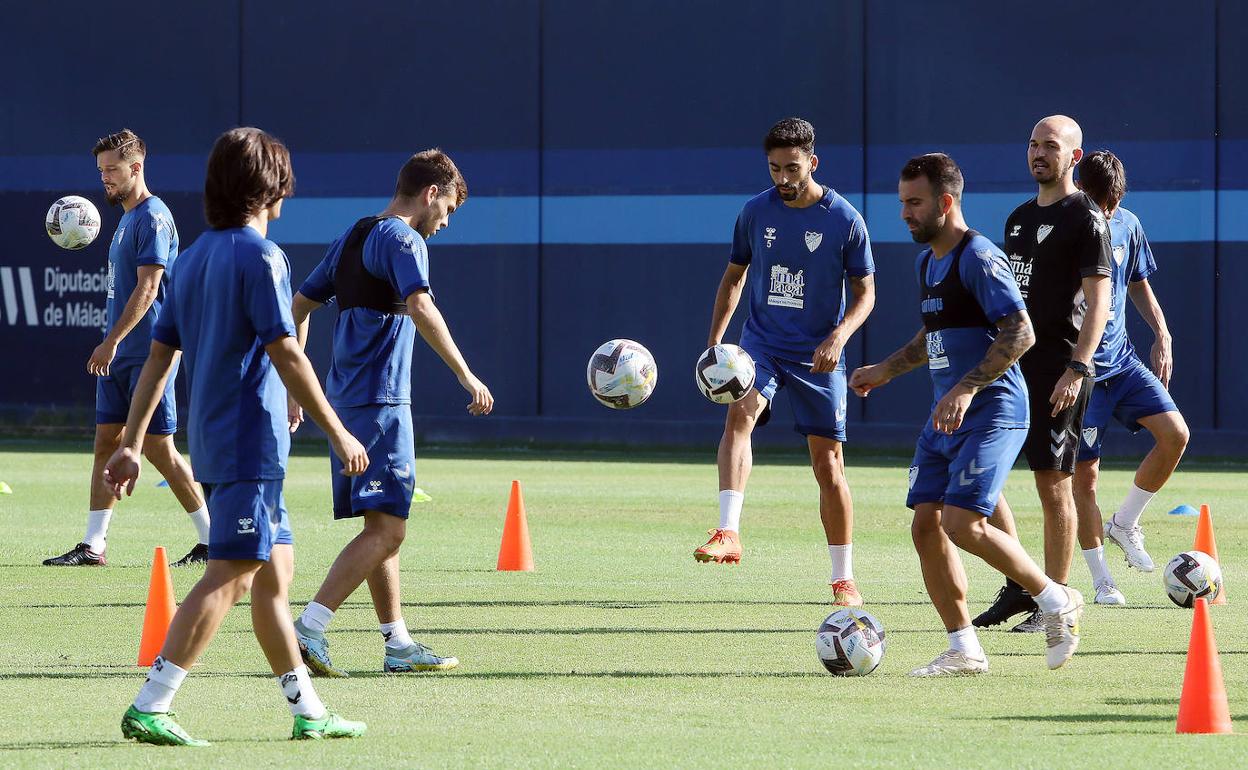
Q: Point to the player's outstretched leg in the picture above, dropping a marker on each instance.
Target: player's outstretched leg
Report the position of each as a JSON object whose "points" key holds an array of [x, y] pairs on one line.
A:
{"points": [[735, 460], [1012, 599], [1091, 545], [1123, 528]]}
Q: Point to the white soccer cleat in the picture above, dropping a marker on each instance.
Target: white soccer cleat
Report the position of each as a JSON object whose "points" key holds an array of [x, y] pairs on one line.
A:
{"points": [[953, 663], [1061, 629], [1131, 541], [1108, 594]]}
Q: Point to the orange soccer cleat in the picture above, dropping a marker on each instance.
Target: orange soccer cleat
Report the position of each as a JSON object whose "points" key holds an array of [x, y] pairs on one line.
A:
{"points": [[724, 547], [845, 594]]}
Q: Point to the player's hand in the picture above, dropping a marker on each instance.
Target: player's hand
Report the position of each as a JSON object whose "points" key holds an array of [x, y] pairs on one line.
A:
{"points": [[294, 413], [482, 399], [122, 470], [867, 378], [1066, 392], [828, 353], [101, 358], [951, 409], [1163, 364], [352, 453]]}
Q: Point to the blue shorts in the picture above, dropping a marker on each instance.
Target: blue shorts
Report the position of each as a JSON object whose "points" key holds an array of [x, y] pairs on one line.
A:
{"points": [[1129, 396], [114, 391], [246, 519], [818, 400], [385, 430], [966, 470]]}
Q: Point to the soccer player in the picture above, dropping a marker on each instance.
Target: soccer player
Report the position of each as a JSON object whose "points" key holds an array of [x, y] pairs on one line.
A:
{"points": [[228, 310], [975, 328], [1125, 388], [140, 255], [1058, 244], [378, 275], [794, 248]]}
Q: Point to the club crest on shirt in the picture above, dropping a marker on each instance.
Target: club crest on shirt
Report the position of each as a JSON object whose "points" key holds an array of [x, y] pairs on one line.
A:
{"points": [[161, 223], [1042, 232], [1089, 436], [1119, 253], [813, 240], [769, 235], [787, 289]]}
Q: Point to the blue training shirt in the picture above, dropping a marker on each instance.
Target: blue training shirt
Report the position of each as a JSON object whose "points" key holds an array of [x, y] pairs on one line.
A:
{"points": [[372, 360], [229, 297], [145, 235], [799, 260], [1132, 262], [986, 275]]}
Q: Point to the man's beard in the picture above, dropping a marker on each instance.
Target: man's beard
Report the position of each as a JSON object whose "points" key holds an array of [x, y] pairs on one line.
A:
{"points": [[798, 189]]}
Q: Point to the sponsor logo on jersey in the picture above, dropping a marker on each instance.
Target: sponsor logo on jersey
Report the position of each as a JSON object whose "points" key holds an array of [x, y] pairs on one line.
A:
{"points": [[1022, 273], [1042, 232], [787, 289], [813, 240], [769, 235], [936, 358]]}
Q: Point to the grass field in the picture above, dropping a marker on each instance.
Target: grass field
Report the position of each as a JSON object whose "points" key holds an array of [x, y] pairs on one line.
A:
{"points": [[618, 650]]}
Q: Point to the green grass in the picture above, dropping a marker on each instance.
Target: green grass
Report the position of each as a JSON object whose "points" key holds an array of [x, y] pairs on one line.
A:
{"points": [[619, 650]]}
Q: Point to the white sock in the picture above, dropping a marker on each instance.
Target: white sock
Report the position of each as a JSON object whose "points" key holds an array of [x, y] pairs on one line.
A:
{"points": [[396, 635], [163, 681], [1052, 598], [316, 617], [966, 642], [200, 520], [730, 501], [1095, 557], [97, 529], [1132, 507], [300, 696], [842, 561]]}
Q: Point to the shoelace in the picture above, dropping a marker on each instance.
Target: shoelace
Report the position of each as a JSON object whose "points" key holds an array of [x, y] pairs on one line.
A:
{"points": [[717, 535]]}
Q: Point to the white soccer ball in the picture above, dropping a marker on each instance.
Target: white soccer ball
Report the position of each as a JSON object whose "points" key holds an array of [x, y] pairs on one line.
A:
{"points": [[72, 222], [724, 373], [621, 374], [850, 642], [1191, 575]]}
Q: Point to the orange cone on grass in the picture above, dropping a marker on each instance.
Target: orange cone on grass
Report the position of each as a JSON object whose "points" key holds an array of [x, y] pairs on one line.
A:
{"points": [[1206, 544], [515, 554], [160, 609], [1202, 706]]}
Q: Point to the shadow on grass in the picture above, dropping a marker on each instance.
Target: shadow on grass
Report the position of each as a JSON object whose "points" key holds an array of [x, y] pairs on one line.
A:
{"points": [[603, 605], [523, 675], [1103, 653], [588, 631], [36, 745], [1142, 701], [1094, 718]]}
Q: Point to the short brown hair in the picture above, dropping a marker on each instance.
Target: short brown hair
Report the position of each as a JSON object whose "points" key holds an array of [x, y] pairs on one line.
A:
{"points": [[248, 170], [939, 169], [1103, 178], [127, 144], [431, 167]]}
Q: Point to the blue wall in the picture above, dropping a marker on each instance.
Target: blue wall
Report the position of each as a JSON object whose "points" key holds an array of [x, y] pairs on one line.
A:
{"points": [[607, 148]]}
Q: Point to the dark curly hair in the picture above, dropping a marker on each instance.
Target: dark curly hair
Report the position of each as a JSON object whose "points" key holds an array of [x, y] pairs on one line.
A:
{"points": [[791, 132]]}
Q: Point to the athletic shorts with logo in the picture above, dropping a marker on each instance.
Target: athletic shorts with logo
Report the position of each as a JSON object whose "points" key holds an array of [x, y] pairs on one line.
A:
{"points": [[818, 400], [966, 469], [1053, 442], [248, 519], [114, 391], [1129, 396], [385, 430]]}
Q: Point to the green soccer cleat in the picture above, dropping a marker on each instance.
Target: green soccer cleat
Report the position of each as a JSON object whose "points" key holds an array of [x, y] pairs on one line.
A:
{"points": [[156, 728], [329, 726]]}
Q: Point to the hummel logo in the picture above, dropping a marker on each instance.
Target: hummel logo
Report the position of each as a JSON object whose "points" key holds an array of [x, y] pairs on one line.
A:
{"points": [[1059, 441], [374, 488], [246, 526], [974, 470], [769, 236], [1042, 232]]}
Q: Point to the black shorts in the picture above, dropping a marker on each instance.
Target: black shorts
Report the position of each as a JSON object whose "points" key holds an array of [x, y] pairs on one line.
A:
{"points": [[1053, 442]]}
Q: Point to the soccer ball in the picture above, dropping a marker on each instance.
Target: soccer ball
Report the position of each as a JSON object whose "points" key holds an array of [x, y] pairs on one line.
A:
{"points": [[850, 643], [725, 373], [621, 374], [72, 222], [1191, 575]]}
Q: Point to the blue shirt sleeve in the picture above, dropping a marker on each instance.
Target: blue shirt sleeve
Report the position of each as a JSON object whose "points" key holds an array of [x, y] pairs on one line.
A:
{"points": [[152, 238], [400, 256], [742, 251], [165, 330], [857, 250], [319, 286], [1145, 265], [991, 281], [266, 295]]}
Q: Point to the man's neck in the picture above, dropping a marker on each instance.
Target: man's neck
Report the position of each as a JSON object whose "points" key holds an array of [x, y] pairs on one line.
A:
{"points": [[260, 223], [1056, 190], [948, 238], [813, 194], [136, 196], [401, 209]]}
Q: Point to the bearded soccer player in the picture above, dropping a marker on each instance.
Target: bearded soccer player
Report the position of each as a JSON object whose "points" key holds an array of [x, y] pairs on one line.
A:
{"points": [[140, 256], [1058, 245], [378, 275], [975, 328], [1125, 388], [794, 249], [228, 310]]}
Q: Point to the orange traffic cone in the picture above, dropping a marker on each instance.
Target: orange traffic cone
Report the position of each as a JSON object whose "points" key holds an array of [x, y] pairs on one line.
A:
{"points": [[1202, 706], [1206, 543], [160, 609], [515, 553]]}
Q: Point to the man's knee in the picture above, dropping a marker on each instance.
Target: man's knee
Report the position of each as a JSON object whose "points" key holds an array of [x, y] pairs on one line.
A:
{"points": [[107, 440], [1087, 474], [925, 526], [1173, 437], [158, 449], [829, 470], [387, 530]]}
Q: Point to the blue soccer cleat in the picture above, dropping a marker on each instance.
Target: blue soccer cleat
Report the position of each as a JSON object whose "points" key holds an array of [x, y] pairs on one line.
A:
{"points": [[418, 657]]}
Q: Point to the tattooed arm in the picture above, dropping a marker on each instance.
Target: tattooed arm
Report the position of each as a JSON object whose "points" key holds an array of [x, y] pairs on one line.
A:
{"points": [[1014, 337], [910, 356]]}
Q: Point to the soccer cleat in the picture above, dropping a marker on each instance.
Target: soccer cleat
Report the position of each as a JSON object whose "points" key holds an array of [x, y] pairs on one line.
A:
{"points": [[1011, 600], [1108, 594], [418, 657], [724, 547], [329, 726], [845, 594], [315, 653], [1032, 624], [1061, 629], [1131, 541], [953, 663], [197, 555], [156, 728], [80, 555]]}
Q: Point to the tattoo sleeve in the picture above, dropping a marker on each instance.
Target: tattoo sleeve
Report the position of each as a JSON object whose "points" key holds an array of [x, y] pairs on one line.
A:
{"points": [[1014, 337], [910, 356]]}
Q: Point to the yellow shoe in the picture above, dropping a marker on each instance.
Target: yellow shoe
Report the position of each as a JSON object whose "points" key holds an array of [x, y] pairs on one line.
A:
{"points": [[724, 547], [845, 594]]}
